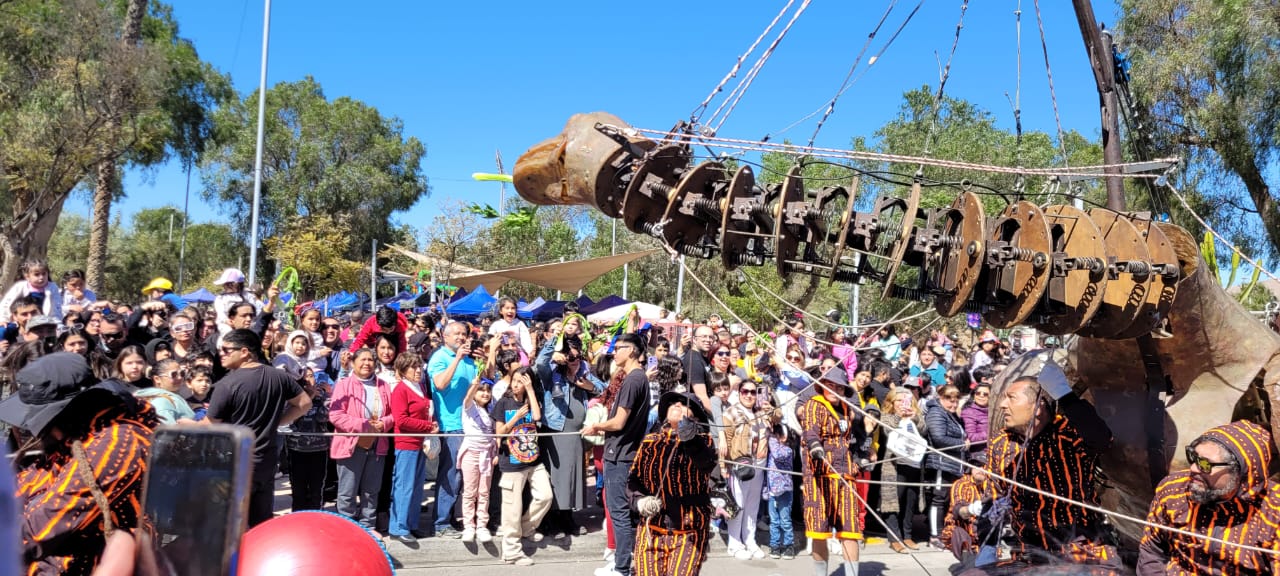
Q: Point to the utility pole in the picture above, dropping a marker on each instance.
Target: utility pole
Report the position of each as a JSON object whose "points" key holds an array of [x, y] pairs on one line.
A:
{"points": [[1097, 44]]}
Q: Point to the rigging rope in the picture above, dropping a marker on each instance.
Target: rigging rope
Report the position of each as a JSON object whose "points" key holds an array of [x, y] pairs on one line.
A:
{"points": [[847, 84], [696, 115], [755, 70], [942, 84], [1134, 169], [1053, 95]]}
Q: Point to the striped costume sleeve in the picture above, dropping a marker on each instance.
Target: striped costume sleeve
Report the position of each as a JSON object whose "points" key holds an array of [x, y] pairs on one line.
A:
{"points": [[59, 504]]}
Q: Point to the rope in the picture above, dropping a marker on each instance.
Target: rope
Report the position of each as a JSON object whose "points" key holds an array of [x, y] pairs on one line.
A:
{"points": [[837, 325], [1215, 233], [1134, 169], [755, 70], [942, 84], [846, 85], [1053, 95], [1032, 489], [733, 72]]}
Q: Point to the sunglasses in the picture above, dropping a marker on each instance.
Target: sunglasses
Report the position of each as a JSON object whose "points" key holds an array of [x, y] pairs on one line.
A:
{"points": [[722, 353], [1204, 465], [111, 336], [227, 350], [795, 358], [983, 394], [951, 398], [747, 391], [332, 327], [183, 327]]}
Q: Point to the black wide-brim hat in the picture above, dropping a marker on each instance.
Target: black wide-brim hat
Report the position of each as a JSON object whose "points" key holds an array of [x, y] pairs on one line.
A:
{"points": [[45, 388], [694, 404]]}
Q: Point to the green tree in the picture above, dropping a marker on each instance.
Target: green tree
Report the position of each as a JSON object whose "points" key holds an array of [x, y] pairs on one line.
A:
{"points": [[340, 158], [314, 246], [1208, 76], [176, 123], [147, 248]]}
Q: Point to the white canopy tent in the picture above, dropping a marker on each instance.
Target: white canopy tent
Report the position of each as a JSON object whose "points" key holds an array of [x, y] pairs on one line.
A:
{"points": [[648, 313]]}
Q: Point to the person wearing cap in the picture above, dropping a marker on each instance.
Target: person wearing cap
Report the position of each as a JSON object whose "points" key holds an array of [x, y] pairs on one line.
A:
{"points": [[837, 447], [81, 425], [232, 282], [162, 289], [987, 353], [42, 328], [1052, 439], [1225, 493], [671, 478]]}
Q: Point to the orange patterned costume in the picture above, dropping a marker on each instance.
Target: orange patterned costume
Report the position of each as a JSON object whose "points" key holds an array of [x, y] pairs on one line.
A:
{"points": [[964, 491], [1062, 459], [62, 527], [830, 503], [674, 542], [1251, 517]]}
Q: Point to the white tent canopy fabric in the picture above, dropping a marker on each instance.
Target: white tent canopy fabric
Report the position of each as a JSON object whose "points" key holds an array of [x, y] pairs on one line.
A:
{"points": [[648, 313]]}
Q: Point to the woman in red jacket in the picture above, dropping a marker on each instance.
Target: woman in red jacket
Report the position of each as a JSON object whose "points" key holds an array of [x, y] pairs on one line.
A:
{"points": [[411, 408]]}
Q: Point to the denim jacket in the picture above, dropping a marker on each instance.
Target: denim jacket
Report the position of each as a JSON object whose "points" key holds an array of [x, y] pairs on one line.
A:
{"points": [[556, 388]]}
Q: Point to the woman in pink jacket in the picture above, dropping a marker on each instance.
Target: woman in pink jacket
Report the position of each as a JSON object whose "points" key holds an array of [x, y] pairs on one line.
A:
{"points": [[361, 403]]}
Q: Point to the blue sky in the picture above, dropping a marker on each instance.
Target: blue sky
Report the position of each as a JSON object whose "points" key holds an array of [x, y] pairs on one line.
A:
{"points": [[469, 77]]}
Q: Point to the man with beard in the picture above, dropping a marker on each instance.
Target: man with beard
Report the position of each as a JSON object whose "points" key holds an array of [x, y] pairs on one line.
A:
{"points": [[1052, 439], [111, 334], [1224, 494]]}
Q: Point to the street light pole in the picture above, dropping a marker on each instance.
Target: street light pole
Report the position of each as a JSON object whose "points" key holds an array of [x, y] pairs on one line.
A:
{"points": [[257, 160]]}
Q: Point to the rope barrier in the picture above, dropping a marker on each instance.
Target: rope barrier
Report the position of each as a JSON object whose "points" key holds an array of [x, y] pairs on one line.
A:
{"points": [[822, 320], [1012, 482]]}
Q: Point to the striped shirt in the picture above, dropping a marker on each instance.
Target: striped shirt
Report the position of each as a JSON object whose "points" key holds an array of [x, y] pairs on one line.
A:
{"points": [[679, 474]]}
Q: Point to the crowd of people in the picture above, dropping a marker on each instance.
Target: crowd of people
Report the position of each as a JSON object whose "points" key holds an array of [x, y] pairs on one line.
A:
{"points": [[679, 431]]}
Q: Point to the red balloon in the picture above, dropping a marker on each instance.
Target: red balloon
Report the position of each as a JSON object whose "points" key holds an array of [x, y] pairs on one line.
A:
{"points": [[310, 543]]}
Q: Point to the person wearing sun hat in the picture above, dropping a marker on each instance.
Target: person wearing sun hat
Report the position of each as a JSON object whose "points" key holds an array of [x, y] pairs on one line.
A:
{"points": [[81, 425], [232, 283], [836, 446], [671, 479]]}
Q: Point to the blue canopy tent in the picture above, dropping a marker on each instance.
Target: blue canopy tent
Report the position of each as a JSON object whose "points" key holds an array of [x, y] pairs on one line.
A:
{"points": [[604, 304], [200, 295], [531, 306], [548, 310], [476, 303]]}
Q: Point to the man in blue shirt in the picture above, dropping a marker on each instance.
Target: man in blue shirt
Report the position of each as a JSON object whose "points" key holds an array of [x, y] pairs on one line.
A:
{"points": [[451, 371]]}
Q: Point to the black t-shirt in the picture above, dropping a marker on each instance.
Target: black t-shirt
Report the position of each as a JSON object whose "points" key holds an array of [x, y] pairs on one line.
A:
{"points": [[255, 398], [621, 446], [519, 450], [696, 368]]}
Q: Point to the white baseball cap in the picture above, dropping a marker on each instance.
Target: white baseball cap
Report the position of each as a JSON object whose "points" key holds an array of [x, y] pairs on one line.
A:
{"points": [[229, 275]]}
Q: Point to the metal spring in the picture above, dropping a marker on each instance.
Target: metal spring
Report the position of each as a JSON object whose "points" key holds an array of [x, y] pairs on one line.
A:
{"points": [[1023, 254], [708, 206], [904, 293], [746, 259], [847, 276], [661, 188], [974, 307], [651, 228]]}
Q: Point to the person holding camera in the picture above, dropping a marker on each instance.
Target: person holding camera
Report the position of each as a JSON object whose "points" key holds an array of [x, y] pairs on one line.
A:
{"points": [[567, 385], [836, 446], [451, 370]]}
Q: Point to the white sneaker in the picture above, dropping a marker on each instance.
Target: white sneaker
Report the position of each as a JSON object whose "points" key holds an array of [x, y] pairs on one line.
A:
{"points": [[733, 550], [468, 534], [483, 535], [743, 554], [757, 554], [607, 571], [536, 537], [608, 555]]}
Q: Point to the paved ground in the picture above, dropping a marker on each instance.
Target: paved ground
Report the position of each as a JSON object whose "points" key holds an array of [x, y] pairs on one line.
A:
{"points": [[581, 555]]}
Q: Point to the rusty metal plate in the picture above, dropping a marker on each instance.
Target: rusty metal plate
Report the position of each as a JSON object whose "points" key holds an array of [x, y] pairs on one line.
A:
{"points": [[639, 206], [1032, 233], [1160, 293], [684, 224], [734, 245], [958, 268], [845, 219], [1124, 295], [899, 249], [1083, 289], [787, 242]]}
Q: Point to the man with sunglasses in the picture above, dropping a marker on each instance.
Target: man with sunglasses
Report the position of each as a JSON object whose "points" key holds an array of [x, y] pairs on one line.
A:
{"points": [[1052, 438], [1225, 493], [697, 362]]}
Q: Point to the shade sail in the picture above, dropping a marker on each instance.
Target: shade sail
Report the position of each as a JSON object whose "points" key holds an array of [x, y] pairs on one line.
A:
{"points": [[563, 276]]}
